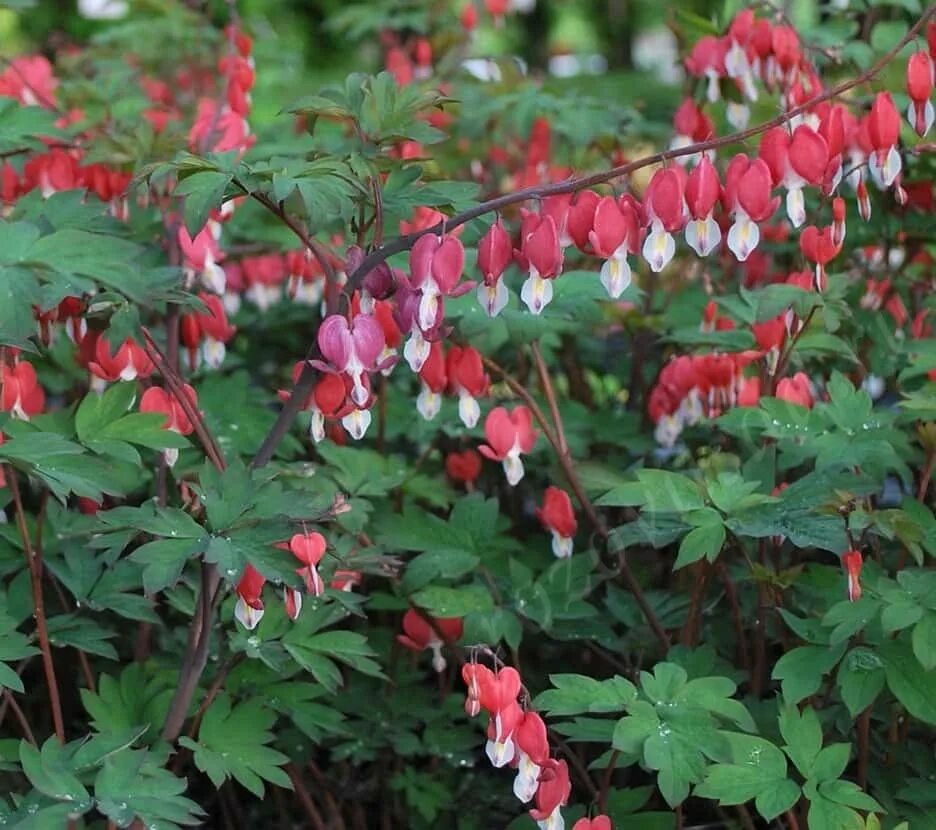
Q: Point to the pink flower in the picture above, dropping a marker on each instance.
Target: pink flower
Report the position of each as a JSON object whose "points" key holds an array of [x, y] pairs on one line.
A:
{"points": [[30, 79], [616, 229], [920, 88], [553, 793], [883, 121], [796, 390], [558, 517], [820, 248], [747, 197], [468, 380], [509, 435], [130, 362], [495, 253], [541, 256], [201, 256], [702, 193], [249, 607], [352, 349], [158, 400], [665, 207], [596, 823], [436, 265], [532, 751], [795, 161], [419, 634], [852, 561], [20, 392], [582, 217], [308, 548], [433, 379]]}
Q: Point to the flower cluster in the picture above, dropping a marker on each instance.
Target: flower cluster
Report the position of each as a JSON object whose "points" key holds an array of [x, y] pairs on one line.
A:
{"points": [[517, 737]]}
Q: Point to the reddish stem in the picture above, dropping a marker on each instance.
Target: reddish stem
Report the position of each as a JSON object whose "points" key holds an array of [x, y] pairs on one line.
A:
{"points": [[34, 561]]}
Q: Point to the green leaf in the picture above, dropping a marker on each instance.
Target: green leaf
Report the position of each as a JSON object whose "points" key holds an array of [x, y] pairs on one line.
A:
{"points": [[658, 491], [203, 192], [163, 561], [49, 770], [803, 736], [860, 679], [575, 694], [132, 784], [441, 601], [14, 646], [97, 411], [924, 641], [233, 743], [911, 684], [830, 763], [704, 541], [801, 670]]}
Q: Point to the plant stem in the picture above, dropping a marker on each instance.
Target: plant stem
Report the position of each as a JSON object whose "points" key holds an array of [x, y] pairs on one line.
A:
{"points": [[864, 734], [34, 561], [305, 798], [20, 717], [568, 469], [550, 394], [606, 781]]}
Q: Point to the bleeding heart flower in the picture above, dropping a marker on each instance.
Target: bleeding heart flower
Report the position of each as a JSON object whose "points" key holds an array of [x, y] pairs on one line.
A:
{"points": [[665, 206], [436, 265], [596, 823], [615, 233], [702, 193], [308, 548], [509, 435], [433, 382], [468, 380], [495, 253], [795, 161], [552, 794], [883, 134], [201, 256], [422, 631], [532, 750], [796, 390], [852, 561], [920, 88], [463, 466], [581, 218], [747, 197], [541, 256], [353, 349], [20, 392], [249, 608], [558, 517], [130, 362], [819, 247], [158, 400]]}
